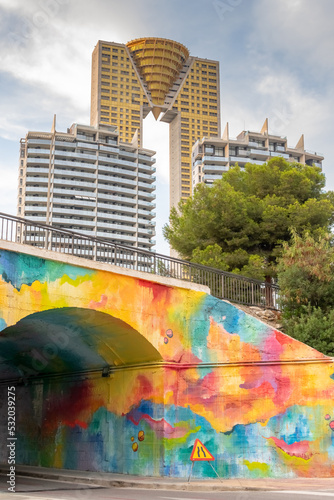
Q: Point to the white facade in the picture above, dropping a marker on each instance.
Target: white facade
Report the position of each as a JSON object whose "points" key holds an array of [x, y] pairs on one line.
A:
{"points": [[89, 182], [211, 157]]}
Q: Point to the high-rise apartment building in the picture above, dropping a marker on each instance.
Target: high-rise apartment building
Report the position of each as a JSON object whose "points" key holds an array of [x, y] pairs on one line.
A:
{"points": [[213, 156], [158, 75], [88, 181]]}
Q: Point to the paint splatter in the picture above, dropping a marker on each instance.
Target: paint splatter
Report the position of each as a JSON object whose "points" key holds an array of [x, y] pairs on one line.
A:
{"points": [[141, 436], [327, 417], [169, 333], [135, 446]]}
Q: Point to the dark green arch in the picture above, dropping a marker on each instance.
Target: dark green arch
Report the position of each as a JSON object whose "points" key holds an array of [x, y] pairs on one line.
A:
{"points": [[70, 340]]}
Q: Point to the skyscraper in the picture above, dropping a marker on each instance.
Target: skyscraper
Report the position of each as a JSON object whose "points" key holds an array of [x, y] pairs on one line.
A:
{"points": [[158, 75], [88, 181]]}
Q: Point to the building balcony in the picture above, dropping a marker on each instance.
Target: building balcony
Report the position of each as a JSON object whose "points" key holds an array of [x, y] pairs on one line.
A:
{"points": [[72, 212], [75, 156], [124, 239], [239, 160], [150, 178], [66, 144], [210, 177], [74, 183], [39, 152], [117, 189], [73, 164], [34, 207], [110, 169], [260, 152], [110, 217], [149, 159], [39, 141], [73, 192], [280, 155], [215, 168], [313, 153], [117, 180], [112, 226], [142, 203], [74, 221], [121, 200], [109, 149], [75, 173], [37, 161], [215, 159], [146, 168], [146, 186], [76, 201], [87, 145], [37, 170], [127, 153], [198, 162], [145, 195]]}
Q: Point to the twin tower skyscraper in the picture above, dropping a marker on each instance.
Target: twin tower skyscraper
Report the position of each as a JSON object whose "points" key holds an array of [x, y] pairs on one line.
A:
{"points": [[159, 75], [98, 179]]}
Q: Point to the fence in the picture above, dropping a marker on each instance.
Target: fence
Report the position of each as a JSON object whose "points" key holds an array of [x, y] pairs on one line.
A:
{"points": [[223, 285]]}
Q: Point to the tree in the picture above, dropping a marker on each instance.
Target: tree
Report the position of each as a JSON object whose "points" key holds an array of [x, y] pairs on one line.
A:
{"points": [[306, 278], [240, 222]]}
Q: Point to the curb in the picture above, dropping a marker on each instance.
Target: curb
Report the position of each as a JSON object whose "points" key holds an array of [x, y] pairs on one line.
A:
{"points": [[142, 484]]}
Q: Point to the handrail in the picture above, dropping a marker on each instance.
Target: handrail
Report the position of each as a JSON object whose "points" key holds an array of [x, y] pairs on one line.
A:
{"points": [[222, 284]]}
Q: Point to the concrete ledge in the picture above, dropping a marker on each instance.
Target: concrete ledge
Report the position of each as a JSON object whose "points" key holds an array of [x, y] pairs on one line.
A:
{"points": [[65, 258], [106, 480]]}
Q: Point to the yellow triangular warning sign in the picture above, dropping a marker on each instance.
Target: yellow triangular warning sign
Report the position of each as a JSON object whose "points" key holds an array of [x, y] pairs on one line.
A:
{"points": [[200, 452]]}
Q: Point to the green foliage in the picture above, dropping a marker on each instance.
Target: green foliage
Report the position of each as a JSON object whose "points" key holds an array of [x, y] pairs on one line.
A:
{"points": [[314, 327], [252, 266], [306, 279], [240, 223], [306, 274]]}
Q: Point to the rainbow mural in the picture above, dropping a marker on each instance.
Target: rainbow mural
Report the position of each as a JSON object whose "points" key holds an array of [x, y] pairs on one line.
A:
{"points": [[183, 365]]}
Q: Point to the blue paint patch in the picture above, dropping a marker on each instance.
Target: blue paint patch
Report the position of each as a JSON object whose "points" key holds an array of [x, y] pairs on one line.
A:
{"points": [[21, 269]]}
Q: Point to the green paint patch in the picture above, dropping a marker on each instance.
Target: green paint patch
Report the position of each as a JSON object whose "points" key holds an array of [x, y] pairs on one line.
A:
{"points": [[171, 443], [77, 280], [258, 469]]}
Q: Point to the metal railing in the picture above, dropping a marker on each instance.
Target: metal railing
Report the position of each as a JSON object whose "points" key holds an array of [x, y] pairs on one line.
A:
{"points": [[223, 285]]}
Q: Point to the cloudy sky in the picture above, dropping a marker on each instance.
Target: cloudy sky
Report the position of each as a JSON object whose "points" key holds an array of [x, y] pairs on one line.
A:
{"points": [[276, 62]]}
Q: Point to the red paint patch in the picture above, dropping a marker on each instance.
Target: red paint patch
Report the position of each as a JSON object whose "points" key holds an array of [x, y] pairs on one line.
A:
{"points": [[299, 449], [102, 303], [159, 291], [146, 387], [79, 423], [283, 339]]}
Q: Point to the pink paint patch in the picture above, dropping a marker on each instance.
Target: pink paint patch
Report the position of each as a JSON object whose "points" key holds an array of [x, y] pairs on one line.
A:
{"points": [[161, 427], [327, 417], [102, 303], [272, 348], [331, 425], [79, 423], [300, 450]]}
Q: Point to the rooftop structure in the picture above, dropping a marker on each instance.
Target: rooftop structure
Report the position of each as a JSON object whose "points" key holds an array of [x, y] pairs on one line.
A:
{"points": [[211, 156]]}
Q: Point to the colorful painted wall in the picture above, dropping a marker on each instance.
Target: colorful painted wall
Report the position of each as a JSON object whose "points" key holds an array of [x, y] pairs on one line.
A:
{"points": [[184, 365]]}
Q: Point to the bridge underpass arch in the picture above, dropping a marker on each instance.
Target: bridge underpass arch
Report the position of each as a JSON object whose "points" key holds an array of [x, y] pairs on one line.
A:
{"points": [[71, 340], [76, 374]]}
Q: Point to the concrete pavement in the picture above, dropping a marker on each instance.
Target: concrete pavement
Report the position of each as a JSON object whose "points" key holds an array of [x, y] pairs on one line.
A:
{"points": [[126, 481]]}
